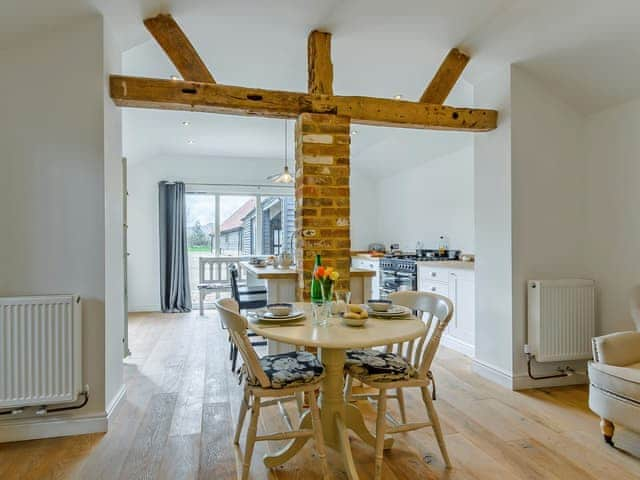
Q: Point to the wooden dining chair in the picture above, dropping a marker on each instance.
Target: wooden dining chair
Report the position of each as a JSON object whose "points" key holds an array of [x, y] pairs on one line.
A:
{"points": [[404, 365], [280, 378], [414, 301], [248, 298]]}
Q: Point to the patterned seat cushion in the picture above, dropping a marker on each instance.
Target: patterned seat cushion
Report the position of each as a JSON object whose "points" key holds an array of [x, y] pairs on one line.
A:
{"points": [[292, 368], [378, 366]]}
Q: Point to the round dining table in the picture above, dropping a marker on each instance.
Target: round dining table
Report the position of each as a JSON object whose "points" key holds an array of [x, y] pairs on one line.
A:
{"points": [[337, 415]]}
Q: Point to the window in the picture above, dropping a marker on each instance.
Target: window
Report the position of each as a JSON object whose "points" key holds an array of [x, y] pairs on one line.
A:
{"points": [[278, 215], [200, 217], [236, 214], [226, 221]]}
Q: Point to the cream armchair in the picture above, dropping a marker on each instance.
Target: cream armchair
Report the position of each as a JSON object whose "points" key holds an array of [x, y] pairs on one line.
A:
{"points": [[634, 305], [614, 382]]}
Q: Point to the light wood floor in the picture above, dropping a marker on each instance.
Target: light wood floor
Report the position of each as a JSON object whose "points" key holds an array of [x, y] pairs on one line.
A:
{"points": [[179, 414]]}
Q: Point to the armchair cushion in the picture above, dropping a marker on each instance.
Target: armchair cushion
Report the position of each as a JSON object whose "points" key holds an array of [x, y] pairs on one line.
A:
{"points": [[620, 381], [617, 349]]}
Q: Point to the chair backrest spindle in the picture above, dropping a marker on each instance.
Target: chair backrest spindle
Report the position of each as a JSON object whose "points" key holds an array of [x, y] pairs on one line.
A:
{"points": [[436, 312], [237, 325], [233, 276]]}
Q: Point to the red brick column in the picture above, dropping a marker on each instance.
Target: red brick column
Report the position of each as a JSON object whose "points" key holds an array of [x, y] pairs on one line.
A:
{"points": [[322, 197]]}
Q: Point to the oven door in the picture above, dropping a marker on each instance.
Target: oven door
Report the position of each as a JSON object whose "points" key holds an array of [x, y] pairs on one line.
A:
{"points": [[397, 282], [405, 282], [384, 292]]}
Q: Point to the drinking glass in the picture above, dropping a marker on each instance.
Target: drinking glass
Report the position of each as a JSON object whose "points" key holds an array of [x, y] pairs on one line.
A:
{"points": [[343, 298], [320, 314]]}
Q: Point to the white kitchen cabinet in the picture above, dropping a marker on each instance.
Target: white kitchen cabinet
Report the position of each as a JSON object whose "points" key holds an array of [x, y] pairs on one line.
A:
{"points": [[462, 294], [441, 288], [369, 263], [457, 282]]}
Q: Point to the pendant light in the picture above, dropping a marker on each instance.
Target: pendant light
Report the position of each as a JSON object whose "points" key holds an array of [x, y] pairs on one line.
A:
{"points": [[285, 176]]}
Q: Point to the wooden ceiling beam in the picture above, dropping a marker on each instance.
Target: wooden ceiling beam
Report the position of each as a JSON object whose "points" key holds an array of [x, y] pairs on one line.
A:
{"points": [[446, 77], [178, 48], [319, 63], [208, 97]]}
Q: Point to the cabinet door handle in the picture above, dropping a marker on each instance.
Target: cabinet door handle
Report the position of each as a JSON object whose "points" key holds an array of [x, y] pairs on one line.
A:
{"points": [[433, 289], [433, 274]]}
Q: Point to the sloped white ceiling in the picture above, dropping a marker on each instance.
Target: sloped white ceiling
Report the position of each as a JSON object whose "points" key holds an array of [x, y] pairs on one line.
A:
{"points": [[586, 51]]}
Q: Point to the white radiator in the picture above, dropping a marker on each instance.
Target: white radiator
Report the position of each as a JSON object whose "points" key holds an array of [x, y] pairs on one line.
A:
{"points": [[561, 319], [40, 350]]}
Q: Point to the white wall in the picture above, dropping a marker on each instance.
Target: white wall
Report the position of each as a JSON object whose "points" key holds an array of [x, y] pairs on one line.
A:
{"points": [[423, 202], [548, 196], [52, 201], [556, 197], [114, 245], [612, 146], [143, 178], [492, 202], [364, 215]]}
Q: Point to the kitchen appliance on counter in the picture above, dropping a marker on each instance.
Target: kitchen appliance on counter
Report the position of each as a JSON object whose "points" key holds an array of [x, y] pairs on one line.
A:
{"points": [[426, 254], [377, 248]]}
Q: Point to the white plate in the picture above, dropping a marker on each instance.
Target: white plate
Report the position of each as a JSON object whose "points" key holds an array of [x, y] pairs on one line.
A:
{"points": [[393, 312], [269, 317]]}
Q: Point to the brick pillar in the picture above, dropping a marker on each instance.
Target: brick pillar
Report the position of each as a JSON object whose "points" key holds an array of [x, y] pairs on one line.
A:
{"points": [[322, 197]]}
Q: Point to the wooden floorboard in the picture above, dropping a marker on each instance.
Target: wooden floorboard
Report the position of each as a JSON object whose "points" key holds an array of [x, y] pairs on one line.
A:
{"points": [[145, 454], [179, 414]]}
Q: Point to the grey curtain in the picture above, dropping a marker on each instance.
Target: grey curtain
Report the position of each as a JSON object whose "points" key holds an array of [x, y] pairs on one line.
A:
{"points": [[175, 294]]}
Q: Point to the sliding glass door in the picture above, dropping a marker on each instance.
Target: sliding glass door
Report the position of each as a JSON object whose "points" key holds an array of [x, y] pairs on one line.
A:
{"points": [[278, 221], [237, 226], [201, 211], [236, 222]]}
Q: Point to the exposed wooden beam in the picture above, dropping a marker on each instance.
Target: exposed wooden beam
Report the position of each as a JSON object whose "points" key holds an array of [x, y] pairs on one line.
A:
{"points": [[446, 77], [319, 63], [178, 48], [207, 97]]}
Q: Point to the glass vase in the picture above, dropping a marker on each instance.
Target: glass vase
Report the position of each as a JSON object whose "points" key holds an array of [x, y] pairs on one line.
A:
{"points": [[326, 288]]}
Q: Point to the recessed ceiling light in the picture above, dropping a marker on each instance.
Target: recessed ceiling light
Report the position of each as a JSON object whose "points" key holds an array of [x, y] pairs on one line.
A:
{"points": [[397, 97], [186, 124], [173, 77], [354, 132], [190, 142]]}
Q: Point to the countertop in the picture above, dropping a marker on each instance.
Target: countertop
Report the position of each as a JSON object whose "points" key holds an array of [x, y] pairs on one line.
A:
{"points": [[437, 263], [447, 264], [366, 256], [270, 272]]}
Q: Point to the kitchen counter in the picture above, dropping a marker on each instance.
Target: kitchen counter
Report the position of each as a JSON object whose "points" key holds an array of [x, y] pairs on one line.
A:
{"points": [[281, 287], [447, 264], [270, 272], [366, 256]]}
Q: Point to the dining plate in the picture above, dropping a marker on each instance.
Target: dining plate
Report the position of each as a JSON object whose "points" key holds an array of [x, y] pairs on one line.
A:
{"points": [[395, 311], [270, 317]]}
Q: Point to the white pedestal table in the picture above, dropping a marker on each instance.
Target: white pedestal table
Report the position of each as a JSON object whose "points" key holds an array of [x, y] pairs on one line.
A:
{"points": [[337, 415]]}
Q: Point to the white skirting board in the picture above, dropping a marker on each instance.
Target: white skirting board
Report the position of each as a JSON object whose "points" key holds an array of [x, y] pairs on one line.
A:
{"points": [[146, 308], [116, 401], [32, 428], [496, 375], [458, 345], [523, 381]]}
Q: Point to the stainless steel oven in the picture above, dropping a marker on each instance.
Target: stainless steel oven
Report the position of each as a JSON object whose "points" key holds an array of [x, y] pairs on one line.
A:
{"points": [[398, 274]]}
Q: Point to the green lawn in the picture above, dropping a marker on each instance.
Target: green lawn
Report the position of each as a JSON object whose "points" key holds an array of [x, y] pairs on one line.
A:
{"points": [[194, 249]]}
